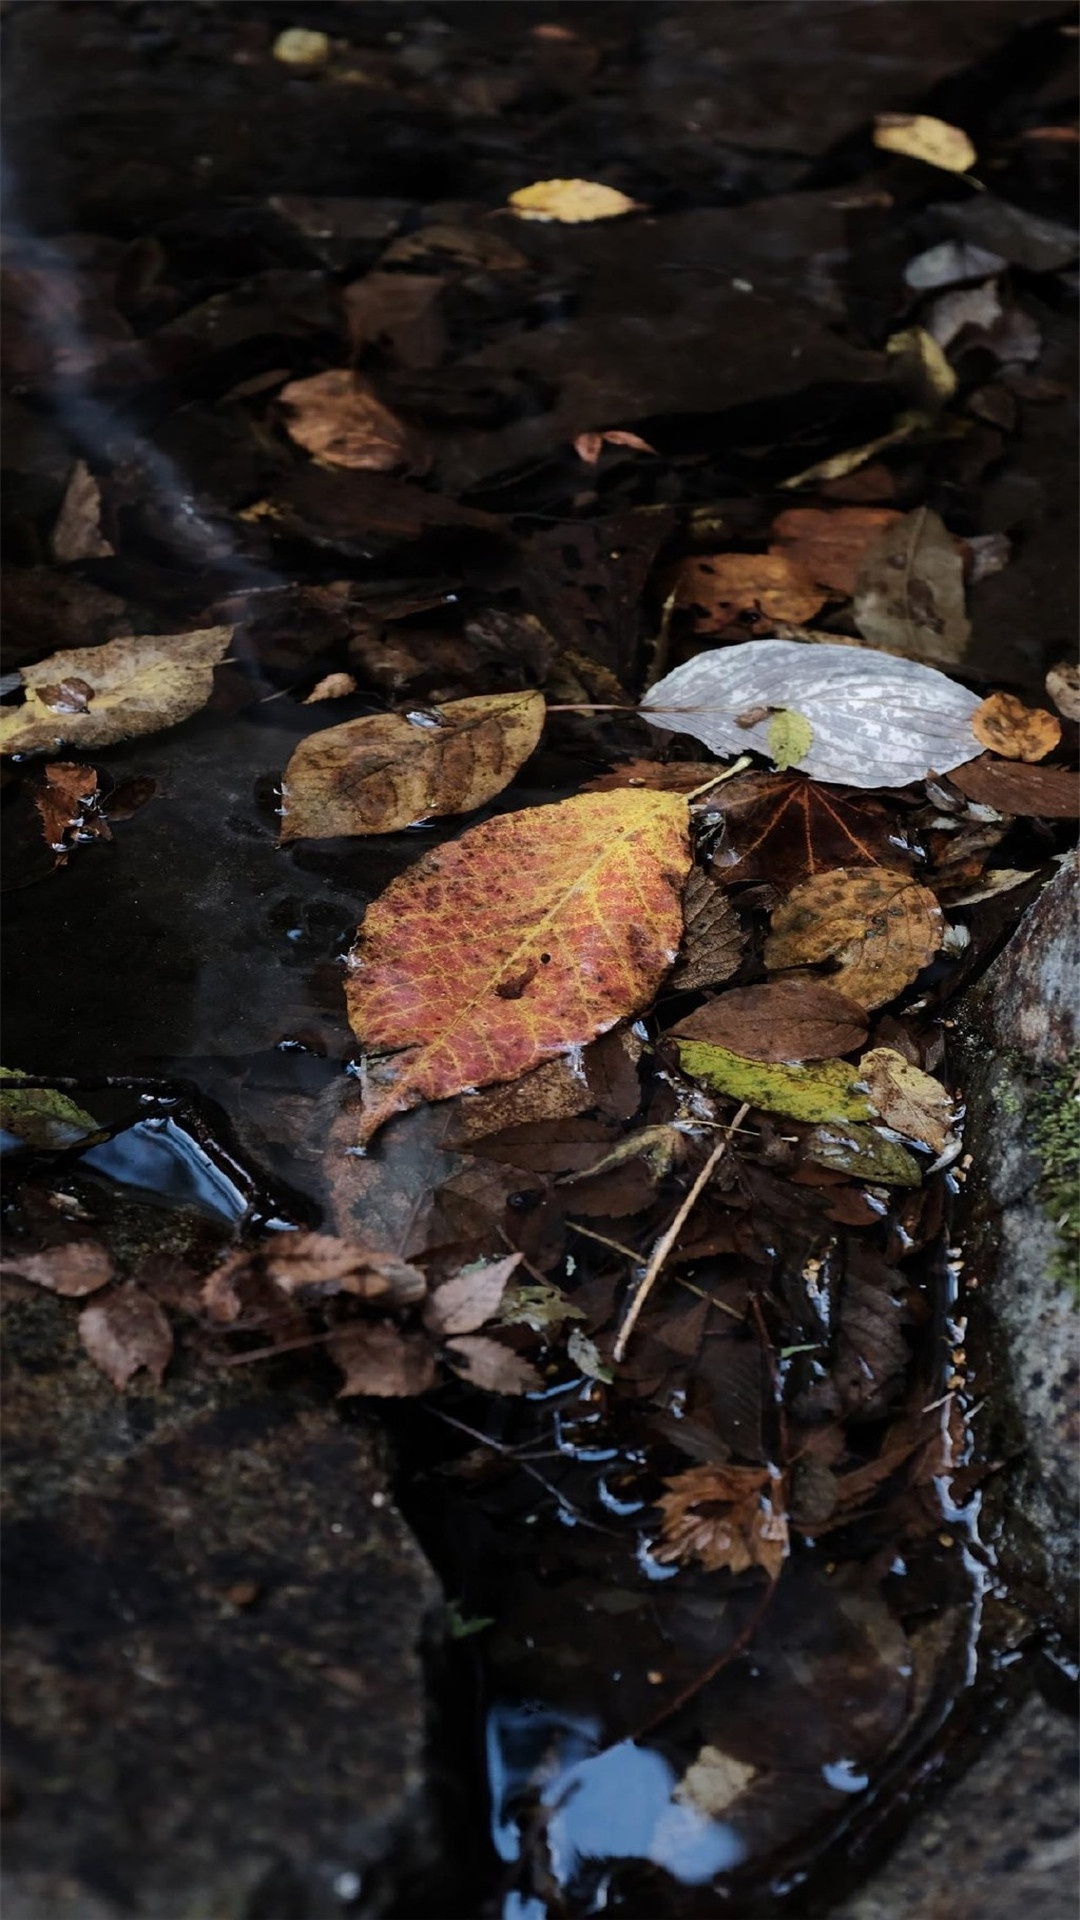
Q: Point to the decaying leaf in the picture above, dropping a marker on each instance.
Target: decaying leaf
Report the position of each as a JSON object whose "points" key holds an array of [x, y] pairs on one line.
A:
{"points": [[722, 587], [488, 1364], [77, 534], [42, 1116], [388, 770], [76, 1268], [713, 941], [318, 1265], [879, 929], [921, 137], [839, 465], [335, 418], [538, 1306], [922, 367], [584, 1354], [724, 1517], [523, 939], [909, 595], [589, 446], [782, 828], [1007, 727], [332, 686], [909, 1101], [785, 1021], [1063, 686], [378, 1359], [828, 545], [473, 1296], [570, 201], [134, 685], [126, 1332], [878, 721], [713, 1781], [66, 798], [790, 738], [828, 1090], [864, 1153], [1012, 786]]}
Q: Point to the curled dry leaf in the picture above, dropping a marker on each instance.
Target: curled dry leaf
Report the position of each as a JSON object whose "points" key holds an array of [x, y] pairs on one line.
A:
{"points": [[1010, 786], [723, 587], [1007, 727], [134, 685], [829, 1090], [713, 941], [464, 1303], [909, 594], [336, 419], [1063, 686], [828, 544], [126, 1332], [388, 770], [879, 928], [589, 446], [570, 201], [72, 1270], [522, 940], [878, 721], [380, 1360], [488, 1364], [909, 1101], [920, 136], [783, 1021], [724, 1517], [782, 828]]}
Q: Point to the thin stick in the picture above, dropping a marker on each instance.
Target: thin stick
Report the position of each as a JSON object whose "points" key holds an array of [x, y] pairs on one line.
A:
{"points": [[615, 1245], [508, 1453], [737, 766], [667, 1240]]}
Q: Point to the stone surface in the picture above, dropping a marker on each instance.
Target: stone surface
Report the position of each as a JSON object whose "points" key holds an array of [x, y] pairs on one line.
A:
{"points": [[214, 1695]]}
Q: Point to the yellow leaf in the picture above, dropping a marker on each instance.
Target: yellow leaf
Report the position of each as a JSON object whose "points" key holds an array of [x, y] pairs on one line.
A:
{"points": [[922, 361], [1005, 725], [382, 773], [570, 201], [921, 137], [522, 940], [301, 47], [878, 926], [828, 1090], [909, 1101], [92, 696]]}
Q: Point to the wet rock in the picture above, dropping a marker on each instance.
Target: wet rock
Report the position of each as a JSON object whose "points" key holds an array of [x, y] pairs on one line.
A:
{"points": [[213, 1621]]}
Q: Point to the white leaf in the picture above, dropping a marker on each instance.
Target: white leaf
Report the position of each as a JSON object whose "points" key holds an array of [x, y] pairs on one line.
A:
{"points": [[878, 720]]}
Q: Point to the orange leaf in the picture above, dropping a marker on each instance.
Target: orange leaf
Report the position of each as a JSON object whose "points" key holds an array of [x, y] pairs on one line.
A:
{"points": [[829, 546], [1006, 726], [522, 940], [729, 1517], [878, 926], [771, 586]]}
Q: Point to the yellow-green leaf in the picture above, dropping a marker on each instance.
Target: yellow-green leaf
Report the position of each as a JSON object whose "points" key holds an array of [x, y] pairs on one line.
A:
{"points": [[790, 738], [864, 1153], [922, 137], [827, 1090], [42, 1116]]}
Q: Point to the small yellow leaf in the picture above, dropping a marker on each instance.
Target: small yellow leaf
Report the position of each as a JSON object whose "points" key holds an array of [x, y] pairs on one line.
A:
{"points": [[301, 47], [921, 137], [790, 739], [922, 361], [570, 201]]}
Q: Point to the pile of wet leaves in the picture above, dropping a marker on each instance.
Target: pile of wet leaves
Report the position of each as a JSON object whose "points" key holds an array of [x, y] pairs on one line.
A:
{"points": [[615, 594]]}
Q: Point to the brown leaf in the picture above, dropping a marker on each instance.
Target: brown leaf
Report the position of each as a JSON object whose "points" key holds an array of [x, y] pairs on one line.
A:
{"points": [[908, 1100], [488, 1364], [713, 936], [125, 1332], [769, 586], [1046, 793], [77, 1268], [676, 776], [66, 799], [77, 534], [134, 685], [1007, 727], [388, 770], [785, 1020], [724, 1517], [909, 596], [332, 686], [1063, 686], [400, 312], [301, 1262], [337, 420], [879, 927], [784, 828], [379, 1360], [464, 1303], [829, 545]]}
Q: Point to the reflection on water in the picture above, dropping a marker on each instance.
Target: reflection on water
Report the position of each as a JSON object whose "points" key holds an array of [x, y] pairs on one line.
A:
{"points": [[159, 1156]]}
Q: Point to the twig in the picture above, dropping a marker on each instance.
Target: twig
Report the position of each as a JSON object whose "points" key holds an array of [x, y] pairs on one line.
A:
{"points": [[667, 1240], [738, 1645], [508, 1453], [603, 1241], [728, 773]]}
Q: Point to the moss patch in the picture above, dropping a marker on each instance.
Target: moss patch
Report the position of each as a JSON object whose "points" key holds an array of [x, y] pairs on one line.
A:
{"points": [[1056, 1126]]}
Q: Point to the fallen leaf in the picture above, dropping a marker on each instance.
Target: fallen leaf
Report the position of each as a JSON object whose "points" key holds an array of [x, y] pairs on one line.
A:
{"points": [[827, 1091], [785, 1021], [589, 446], [72, 1270], [464, 1303], [828, 545], [879, 928], [301, 47], [389, 770], [136, 685], [474, 248], [977, 307], [584, 1354], [377, 1359], [781, 828], [713, 1781], [920, 136], [77, 534], [921, 367], [723, 587], [724, 1517], [336, 419], [949, 264], [790, 737], [486, 1363], [42, 1116], [332, 686], [1007, 727], [878, 721], [1010, 786], [994, 880], [570, 201], [1063, 686], [523, 939], [676, 776], [538, 1306], [906, 1099], [65, 798], [319, 1264], [660, 1147], [713, 940], [909, 596], [126, 1332], [861, 1151], [839, 465]]}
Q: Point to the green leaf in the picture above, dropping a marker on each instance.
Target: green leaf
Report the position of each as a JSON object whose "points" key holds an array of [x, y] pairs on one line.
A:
{"points": [[866, 1153], [538, 1307], [790, 738], [42, 1116], [825, 1090], [462, 1625]]}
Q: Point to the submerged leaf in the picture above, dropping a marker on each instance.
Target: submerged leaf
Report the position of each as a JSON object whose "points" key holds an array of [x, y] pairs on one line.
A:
{"points": [[1006, 726], [827, 1091], [909, 596], [908, 1100], [584, 1354], [725, 586], [713, 1781], [782, 828], [336, 419], [724, 1517], [537, 1306], [713, 942], [488, 1364], [922, 137], [382, 773], [783, 1021], [878, 721], [829, 544], [377, 1359], [1063, 686], [880, 928], [76, 1268], [864, 1153], [464, 1303], [570, 201], [42, 1116], [522, 940], [127, 687], [126, 1332]]}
